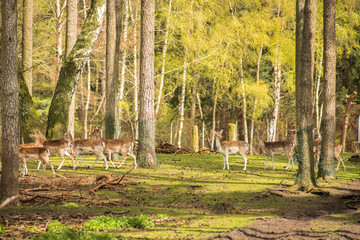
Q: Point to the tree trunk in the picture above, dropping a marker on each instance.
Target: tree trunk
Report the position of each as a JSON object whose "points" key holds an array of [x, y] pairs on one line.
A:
{"points": [[326, 164], [71, 35], [317, 98], [300, 4], [87, 100], [195, 138], [146, 155], [255, 104], [136, 81], [246, 139], [305, 179], [111, 91], [164, 59], [202, 122], [214, 115], [182, 105], [9, 183], [346, 120], [69, 74], [275, 113], [27, 42]]}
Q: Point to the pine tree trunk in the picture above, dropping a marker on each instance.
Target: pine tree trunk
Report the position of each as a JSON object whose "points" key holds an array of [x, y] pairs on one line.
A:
{"points": [[326, 164], [9, 182], [27, 42], [305, 179], [146, 155], [182, 105], [59, 109]]}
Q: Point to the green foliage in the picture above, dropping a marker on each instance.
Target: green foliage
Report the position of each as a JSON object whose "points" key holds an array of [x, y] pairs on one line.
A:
{"points": [[56, 226], [110, 223], [73, 235], [71, 204], [2, 229]]}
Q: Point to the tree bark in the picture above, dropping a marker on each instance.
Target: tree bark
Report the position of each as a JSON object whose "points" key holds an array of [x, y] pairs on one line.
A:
{"points": [[9, 183], [305, 179], [328, 124], [27, 42], [300, 4], [244, 112], [275, 113], [216, 85], [146, 155], [59, 109], [182, 105], [71, 35], [136, 81], [111, 91], [346, 120]]}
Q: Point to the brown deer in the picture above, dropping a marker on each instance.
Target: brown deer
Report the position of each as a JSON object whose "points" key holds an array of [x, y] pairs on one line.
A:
{"points": [[123, 146], [279, 147], [227, 148], [62, 147], [35, 153], [87, 146], [337, 151]]}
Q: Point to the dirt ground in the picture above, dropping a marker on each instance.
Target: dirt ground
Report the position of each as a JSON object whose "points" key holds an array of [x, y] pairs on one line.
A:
{"points": [[335, 216]]}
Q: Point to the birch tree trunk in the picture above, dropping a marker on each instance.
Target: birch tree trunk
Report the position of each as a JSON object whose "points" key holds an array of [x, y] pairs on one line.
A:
{"points": [[146, 155], [164, 59], [182, 104], [214, 115], [246, 139], [27, 42], [202, 122], [255, 104], [136, 81], [326, 163], [59, 11], [59, 109], [346, 120], [9, 182], [275, 113], [318, 111], [71, 35], [87, 100]]}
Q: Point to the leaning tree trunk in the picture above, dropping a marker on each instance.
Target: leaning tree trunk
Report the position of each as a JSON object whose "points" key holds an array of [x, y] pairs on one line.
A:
{"points": [[326, 164], [346, 120], [305, 178], [146, 155], [9, 183], [70, 71]]}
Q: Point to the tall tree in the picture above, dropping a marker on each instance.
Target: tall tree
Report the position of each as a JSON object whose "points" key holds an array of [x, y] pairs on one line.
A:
{"points": [[300, 4], [328, 124], [110, 99], [27, 42], [71, 34], [146, 154], [69, 74], [306, 174], [9, 183]]}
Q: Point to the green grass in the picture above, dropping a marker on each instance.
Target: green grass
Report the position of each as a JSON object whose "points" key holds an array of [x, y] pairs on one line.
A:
{"points": [[179, 195]]}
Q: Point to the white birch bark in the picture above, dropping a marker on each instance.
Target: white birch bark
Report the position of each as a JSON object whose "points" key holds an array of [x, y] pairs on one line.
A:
{"points": [[202, 121], [246, 139], [182, 105], [214, 116], [164, 60], [275, 113], [318, 111], [136, 80], [87, 100]]}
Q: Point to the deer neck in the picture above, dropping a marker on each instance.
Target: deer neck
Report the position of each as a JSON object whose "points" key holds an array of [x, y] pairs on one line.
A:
{"points": [[218, 144]]}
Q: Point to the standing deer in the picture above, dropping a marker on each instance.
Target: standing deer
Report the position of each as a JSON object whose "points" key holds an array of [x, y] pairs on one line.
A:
{"points": [[279, 147], [227, 148], [87, 146], [62, 147], [34, 153], [123, 146], [338, 148]]}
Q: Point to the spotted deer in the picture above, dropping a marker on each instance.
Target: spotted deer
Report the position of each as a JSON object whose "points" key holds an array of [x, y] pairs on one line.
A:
{"points": [[123, 146], [35, 153], [337, 151], [227, 148]]}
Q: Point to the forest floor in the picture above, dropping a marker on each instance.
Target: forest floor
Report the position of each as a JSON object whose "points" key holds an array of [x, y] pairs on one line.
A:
{"points": [[188, 197]]}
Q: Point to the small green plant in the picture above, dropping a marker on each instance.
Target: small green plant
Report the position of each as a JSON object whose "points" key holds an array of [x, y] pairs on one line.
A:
{"points": [[2, 229], [141, 222], [72, 235], [33, 229], [161, 216], [71, 204], [56, 226]]}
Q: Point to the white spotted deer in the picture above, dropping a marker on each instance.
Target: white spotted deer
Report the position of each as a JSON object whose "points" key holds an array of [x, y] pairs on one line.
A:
{"points": [[35, 153], [279, 147], [123, 146], [61, 147], [337, 151], [87, 146], [227, 148]]}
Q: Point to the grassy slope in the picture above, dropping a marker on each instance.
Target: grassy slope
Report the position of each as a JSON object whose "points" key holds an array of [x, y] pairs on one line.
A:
{"points": [[186, 187]]}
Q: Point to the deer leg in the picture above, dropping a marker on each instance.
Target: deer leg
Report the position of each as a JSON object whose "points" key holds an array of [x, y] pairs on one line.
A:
{"points": [[124, 158], [62, 162], [267, 158], [25, 170], [77, 156], [82, 159], [272, 159], [289, 160], [38, 167], [227, 160], [110, 160], [105, 161], [245, 159], [97, 159], [131, 154], [340, 160], [47, 161]]}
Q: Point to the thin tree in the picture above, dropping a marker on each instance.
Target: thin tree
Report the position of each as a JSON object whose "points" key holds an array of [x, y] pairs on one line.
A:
{"points": [[146, 154], [27, 42], [70, 39], [9, 183], [59, 109], [110, 98], [306, 174], [328, 124]]}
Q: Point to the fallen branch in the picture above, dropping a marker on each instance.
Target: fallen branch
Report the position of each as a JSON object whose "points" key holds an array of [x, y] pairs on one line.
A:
{"points": [[8, 200], [110, 181]]}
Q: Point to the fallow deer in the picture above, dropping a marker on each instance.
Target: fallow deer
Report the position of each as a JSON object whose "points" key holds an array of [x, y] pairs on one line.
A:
{"points": [[87, 146], [123, 146], [35, 153], [278, 147], [337, 151], [227, 148]]}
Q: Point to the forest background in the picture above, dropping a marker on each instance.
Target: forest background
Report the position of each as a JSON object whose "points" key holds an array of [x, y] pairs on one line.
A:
{"points": [[217, 62]]}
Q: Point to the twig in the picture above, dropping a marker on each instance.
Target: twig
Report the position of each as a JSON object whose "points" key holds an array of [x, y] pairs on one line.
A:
{"points": [[8, 200]]}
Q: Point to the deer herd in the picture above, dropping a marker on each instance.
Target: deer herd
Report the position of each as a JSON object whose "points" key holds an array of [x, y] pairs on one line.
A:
{"points": [[67, 146]]}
